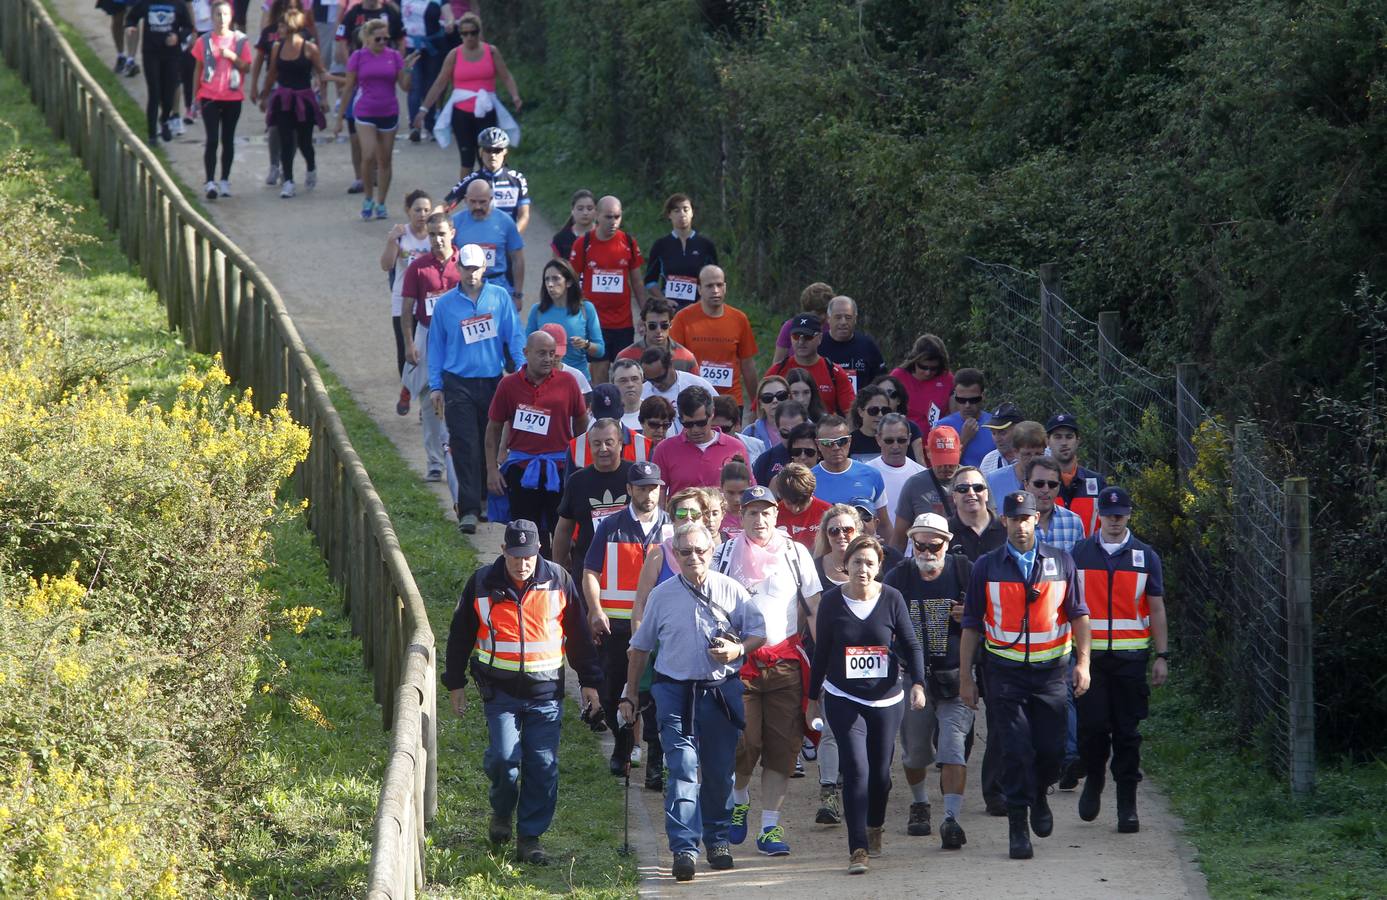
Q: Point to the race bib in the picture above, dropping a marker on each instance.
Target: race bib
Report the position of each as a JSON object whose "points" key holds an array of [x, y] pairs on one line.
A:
{"points": [[852, 380], [531, 419], [430, 301], [505, 195], [866, 662], [607, 281], [681, 289], [1138, 559], [1091, 487], [489, 252], [933, 414], [716, 374], [478, 328]]}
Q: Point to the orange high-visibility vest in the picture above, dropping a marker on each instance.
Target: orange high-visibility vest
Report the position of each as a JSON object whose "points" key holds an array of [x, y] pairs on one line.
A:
{"points": [[1115, 592], [523, 637], [622, 559], [635, 447], [1046, 634], [1080, 497]]}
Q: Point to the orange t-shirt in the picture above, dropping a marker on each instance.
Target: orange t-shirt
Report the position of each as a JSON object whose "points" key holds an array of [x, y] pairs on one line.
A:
{"points": [[719, 344]]}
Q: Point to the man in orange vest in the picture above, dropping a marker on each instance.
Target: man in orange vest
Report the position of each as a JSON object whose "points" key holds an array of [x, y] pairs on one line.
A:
{"points": [[1080, 487], [606, 404], [610, 572], [517, 621], [1121, 581], [1024, 604]]}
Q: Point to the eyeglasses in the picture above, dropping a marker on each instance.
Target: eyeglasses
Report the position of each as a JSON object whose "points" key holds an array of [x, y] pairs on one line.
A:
{"points": [[804, 451], [778, 397], [688, 512], [686, 552], [493, 149], [896, 440], [658, 424], [931, 547], [471, 32], [838, 530], [694, 423], [835, 442], [378, 40], [1045, 484], [658, 326], [969, 401], [974, 488], [877, 410]]}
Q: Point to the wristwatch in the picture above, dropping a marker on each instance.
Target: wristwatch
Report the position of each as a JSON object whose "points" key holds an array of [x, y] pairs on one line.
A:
{"points": [[1164, 654]]}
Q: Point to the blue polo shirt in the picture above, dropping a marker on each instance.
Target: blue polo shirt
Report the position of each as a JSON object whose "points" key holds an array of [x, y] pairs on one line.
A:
{"points": [[496, 235], [857, 481], [485, 358], [981, 444]]}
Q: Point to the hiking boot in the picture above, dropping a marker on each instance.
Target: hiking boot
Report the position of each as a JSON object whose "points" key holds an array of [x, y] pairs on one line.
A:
{"points": [[1091, 800], [736, 834], [1018, 834], [771, 842], [828, 813], [857, 863], [1042, 820], [874, 841], [720, 857], [654, 778], [499, 829], [918, 823], [683, 867], [528, 850], [1127, 821], [1073, 771], [951, 836]]}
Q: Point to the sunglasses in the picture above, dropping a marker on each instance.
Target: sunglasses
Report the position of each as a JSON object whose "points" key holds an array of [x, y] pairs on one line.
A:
{"points": [[803, 337], [969, 401], [877, 410], [471, 32], [1045, 484], [804, 451], [778, 397], [970, 489], [686, 552], [835, 442], [659, 424], [493, 149], [658, 326], [694, 423], [898, 440], [687, 513], [839, 530], [378, 40], [931, 547], [928, 367]]}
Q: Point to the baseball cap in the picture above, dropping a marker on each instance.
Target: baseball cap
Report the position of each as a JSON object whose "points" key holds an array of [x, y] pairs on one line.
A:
{"points": [[1019, 503], [606, 402], [757, 493], [1062, 420], [942, 448], [555, 331], [643, 473], [1114, 501], [931, 523], [865, 505], [471, 257], [806, 323], [1005, 416], [522, 538]]}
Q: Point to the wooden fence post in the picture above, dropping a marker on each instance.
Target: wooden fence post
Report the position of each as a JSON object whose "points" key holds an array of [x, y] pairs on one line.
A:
{"points": [[1300, 638]]}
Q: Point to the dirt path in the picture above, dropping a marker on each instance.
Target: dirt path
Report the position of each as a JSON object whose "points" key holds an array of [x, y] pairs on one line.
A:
{"points": [[324, 260]]}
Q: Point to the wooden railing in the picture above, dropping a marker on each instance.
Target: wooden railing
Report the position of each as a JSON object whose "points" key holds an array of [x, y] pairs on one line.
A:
{"points": [[221, 302]]}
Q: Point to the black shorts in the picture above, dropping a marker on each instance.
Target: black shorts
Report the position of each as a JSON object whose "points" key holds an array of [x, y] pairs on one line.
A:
{"points": [[381, 123], [616, 340], [112, 7]]}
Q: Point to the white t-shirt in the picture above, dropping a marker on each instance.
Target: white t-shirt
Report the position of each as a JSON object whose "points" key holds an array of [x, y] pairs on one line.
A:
{"points": [[682, 380], [413, 248], [775, 596], [202, 16], [895, 478], [632, 421], [584, 386]]}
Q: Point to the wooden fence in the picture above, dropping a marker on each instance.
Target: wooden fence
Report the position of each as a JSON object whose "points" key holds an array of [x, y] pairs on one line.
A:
{"points": [[221, 302]]}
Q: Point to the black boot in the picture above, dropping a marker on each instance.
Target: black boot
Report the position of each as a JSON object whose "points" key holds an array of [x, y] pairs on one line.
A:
{"points": [[1127, 821], [1019, 834], [1042, 820], [1091, 800]]}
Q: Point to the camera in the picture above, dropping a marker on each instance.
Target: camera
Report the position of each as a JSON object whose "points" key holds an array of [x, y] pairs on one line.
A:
{"points": [[723, 635]]}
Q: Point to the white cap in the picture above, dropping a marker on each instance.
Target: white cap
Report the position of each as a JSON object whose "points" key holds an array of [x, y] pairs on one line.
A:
{"points": [[472, 257], [932, 523]]}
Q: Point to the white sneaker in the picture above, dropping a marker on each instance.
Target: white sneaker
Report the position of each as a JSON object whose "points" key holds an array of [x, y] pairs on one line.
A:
{"points": [[272, 177], [176, 123], [312, 180], [211, 189], [224, 188], [288, 190], [636, 755]]}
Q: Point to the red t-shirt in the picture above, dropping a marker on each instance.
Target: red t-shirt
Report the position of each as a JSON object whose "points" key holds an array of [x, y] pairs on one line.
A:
{"points": [[540, 415], [835, 390], [426, 280], [803, 527], [606, 269]]}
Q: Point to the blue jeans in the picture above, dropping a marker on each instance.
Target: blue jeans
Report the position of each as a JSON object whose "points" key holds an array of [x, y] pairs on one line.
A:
{"points": [[694, 809], [522, 760]]}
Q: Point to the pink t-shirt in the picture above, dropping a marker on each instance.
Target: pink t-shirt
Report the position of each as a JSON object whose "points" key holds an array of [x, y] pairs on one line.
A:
{"points": [[375, 82], [684, 465], [929, 400], [219, 88]]}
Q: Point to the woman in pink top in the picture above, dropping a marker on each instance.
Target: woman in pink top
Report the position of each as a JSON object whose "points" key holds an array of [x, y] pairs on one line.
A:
{"points": [[223, 58], [474, 66], [928, 383], [373, 73]]}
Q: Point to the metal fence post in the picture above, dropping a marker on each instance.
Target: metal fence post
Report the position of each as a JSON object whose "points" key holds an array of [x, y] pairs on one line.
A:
{"points": [[1049, 333], [1109, 327], [1300, 636], [1186, 412]]}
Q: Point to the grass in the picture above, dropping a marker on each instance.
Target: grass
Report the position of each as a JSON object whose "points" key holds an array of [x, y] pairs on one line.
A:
{"points": [[1254, 838]]}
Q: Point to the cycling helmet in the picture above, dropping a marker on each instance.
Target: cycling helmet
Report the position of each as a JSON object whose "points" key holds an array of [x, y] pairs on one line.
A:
{"points": [[493, 138]]}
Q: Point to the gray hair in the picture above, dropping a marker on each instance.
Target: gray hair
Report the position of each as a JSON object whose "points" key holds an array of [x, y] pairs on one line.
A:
{"points": [[829, 309], [894, 419], [692, 528]]}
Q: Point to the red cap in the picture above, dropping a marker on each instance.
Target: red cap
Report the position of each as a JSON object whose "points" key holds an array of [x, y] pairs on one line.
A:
{"points": [[555, 331], [943, 448]]}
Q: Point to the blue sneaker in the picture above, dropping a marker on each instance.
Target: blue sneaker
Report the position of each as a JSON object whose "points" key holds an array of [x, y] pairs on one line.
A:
{"points": [[367, 207], [737, 833], [772, 842], [380, 211]]}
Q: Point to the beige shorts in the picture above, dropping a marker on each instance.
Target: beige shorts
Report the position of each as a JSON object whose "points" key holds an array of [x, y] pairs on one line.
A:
{"points": [[774, 719]]}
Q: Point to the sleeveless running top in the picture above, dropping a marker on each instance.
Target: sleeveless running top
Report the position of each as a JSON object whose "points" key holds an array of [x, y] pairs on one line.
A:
{"points": [[474, 76], [295, 74]]}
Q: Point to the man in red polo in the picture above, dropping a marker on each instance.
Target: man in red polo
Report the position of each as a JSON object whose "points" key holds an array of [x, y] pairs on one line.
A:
{"points": [[835, 387], [608, 262], [694, 457], [427, 278], [544, 409]]}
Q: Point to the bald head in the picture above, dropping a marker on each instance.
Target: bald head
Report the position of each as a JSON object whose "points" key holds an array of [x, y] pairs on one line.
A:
{"points": [[541, 353], [712, 289], [479, 199], [608, 217]]}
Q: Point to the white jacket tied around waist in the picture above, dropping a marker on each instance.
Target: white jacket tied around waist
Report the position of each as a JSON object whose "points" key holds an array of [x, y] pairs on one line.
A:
{"points": [[486, 102]]}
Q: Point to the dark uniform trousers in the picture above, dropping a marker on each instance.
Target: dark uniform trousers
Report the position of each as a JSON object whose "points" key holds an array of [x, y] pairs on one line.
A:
{"points": [[1031, 722], [614, 662], [1111, 712], [465, 405]]}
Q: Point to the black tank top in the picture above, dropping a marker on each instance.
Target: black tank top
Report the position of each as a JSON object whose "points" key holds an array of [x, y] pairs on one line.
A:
{"points": [[295, 74]]}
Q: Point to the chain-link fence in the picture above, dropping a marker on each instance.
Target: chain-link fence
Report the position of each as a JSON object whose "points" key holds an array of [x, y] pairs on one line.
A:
{"points": [[1233, 541]]}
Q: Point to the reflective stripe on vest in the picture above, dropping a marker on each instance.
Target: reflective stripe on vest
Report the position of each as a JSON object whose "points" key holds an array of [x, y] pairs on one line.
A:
{"points": [[1047, 636], [535, 644], [621, 571], [1118, 612]]}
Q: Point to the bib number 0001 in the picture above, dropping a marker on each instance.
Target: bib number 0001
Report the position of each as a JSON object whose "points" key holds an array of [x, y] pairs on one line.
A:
{"points": [[866, 662]]}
